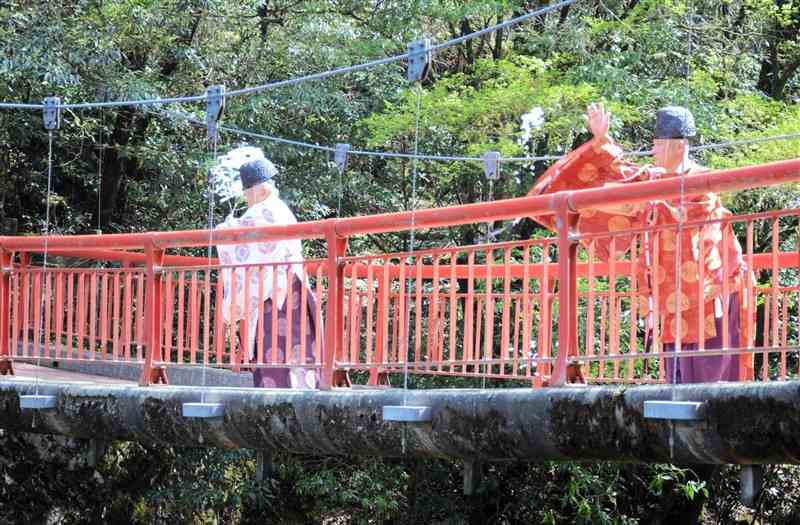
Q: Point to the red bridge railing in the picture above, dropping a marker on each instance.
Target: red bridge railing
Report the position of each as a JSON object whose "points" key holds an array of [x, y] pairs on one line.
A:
{"points": [[519, 310]]}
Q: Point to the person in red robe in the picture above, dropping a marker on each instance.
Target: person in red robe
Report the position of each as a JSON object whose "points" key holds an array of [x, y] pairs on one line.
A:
{"points": [[688, 275]]}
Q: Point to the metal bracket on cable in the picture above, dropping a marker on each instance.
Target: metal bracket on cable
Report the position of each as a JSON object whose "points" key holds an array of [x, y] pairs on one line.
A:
{"points": [[675, 410], [215, 105], [340, 156], [491, 165], [52, 113], [419, 59]]}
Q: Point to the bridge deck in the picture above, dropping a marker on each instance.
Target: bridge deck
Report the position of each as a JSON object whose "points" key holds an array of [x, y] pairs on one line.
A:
{"points": [[26, 372]]}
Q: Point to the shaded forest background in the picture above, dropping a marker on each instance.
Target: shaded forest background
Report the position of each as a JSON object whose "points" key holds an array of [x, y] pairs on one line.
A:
{"points": [[734, 63]]}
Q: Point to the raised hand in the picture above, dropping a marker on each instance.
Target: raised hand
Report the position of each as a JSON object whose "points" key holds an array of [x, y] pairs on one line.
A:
{"points": [[597, 120]]}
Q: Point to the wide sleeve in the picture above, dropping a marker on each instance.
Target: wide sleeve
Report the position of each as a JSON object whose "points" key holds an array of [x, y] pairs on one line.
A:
{"points": [[590, 166]]}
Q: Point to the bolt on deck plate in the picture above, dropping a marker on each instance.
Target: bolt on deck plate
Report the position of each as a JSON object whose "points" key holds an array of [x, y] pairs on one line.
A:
{"points": [[37, 402], [409, 414], [676, 410], [203, 410]]}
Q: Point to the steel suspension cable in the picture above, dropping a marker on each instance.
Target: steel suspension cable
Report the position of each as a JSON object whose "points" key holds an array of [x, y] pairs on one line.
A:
{"points": [[306, 78]]}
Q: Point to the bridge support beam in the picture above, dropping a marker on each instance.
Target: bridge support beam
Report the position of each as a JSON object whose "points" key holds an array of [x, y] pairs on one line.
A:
{"points": [[755, 423]]}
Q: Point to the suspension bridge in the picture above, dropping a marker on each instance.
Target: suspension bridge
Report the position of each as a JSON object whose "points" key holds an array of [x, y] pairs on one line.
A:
{"points": [[137, 349]]}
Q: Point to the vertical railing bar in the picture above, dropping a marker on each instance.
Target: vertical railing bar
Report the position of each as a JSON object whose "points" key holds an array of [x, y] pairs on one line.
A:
{"points": [[434, 322], [526, 350], [27, 284], [634, 304], [92, 341], [369, 351], [194, 314], [116, 326], [726, 289], [382, 314], [243, 356], [517, 317], [546, 324], [479, 351], [37, 317], [48, 308], [127, 319], [505, 333], [488, 345], [318, 317], [352, 325], [468, 310], [14, 305], [169, 304], [140, 312], [614, 346], [776, 293], [418, 313], [58, 307], [206, 316], [658, 275], [219, 330], [260, 321], [289, 350], [402, 337], [453, 322], [274, 318], [103, 314], [182, 315], [302, 311], [70, 311], [233, 316], [766, 338]]}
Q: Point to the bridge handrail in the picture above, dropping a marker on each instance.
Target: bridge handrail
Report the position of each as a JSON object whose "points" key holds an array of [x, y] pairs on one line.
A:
{"points": [[336, 232]]}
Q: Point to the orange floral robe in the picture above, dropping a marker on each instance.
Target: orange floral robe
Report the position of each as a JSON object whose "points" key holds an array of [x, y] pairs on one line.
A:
{"points": [[592, 166]]}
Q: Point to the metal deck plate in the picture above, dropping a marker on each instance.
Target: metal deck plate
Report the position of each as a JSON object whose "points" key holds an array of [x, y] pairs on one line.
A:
{"points": [[37, 402], [675, 410], [408, 414], [203, 410]]}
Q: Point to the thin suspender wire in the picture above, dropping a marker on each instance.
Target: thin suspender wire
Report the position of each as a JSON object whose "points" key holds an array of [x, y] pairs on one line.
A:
{"points": [[209, 253], [678, 298], [44, 261], [100, 175], [407, 320], [489, 255], [412, 238], [681, 211]]}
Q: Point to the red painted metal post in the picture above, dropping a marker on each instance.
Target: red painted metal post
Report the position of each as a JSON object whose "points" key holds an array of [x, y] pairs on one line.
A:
{"points": [[567, 290], [334, 327], [153, 373], [5, 312]]}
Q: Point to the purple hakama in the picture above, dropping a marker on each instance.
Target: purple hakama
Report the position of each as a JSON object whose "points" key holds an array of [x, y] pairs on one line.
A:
{"points": [[297, 376], [711, 368]]}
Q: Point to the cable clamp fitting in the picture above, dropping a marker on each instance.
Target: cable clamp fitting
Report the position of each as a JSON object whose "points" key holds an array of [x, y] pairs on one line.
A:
{"points": [[491, 165], [52, 113], [419, 59], [340, 156], [215, 105]]}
